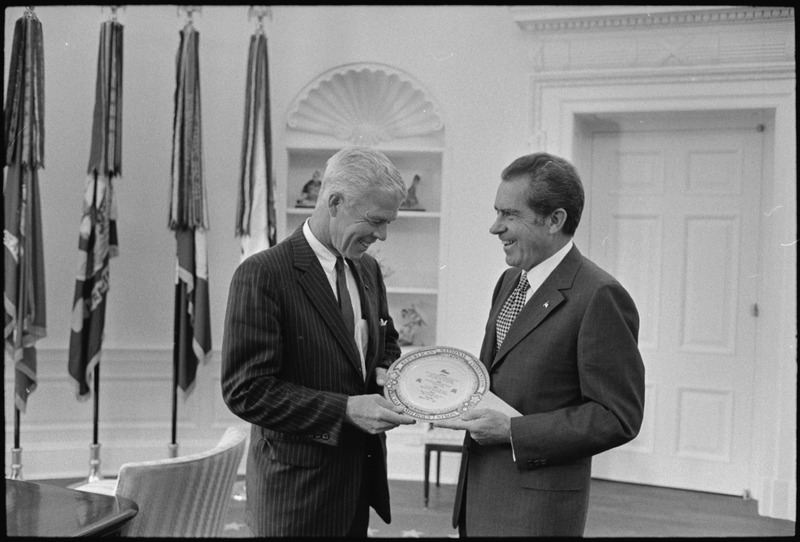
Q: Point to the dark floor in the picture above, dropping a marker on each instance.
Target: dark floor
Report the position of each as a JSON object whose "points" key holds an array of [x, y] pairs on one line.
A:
{"points": [[630, 510], [616, 510]]}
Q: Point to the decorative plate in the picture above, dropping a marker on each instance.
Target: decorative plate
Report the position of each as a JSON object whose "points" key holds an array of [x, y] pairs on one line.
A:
{"points": [[436, 383]]}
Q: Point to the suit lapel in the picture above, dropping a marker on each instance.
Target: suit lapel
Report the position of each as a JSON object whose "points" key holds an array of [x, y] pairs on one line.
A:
{"points": [[487, 350], [313, 281], [540, 306]]}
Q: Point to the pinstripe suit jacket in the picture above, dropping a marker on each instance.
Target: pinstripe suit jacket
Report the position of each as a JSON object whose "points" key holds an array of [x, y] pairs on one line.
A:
{"points": [[288, 367], [570, 364]]}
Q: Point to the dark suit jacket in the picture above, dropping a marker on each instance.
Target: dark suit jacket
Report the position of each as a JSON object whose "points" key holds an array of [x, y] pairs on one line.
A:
{"points": [[570, 364], [288, 366]]}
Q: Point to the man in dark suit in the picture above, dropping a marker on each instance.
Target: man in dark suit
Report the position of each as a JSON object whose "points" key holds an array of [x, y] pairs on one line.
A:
{"points": [[567, 361], [307, 342]]}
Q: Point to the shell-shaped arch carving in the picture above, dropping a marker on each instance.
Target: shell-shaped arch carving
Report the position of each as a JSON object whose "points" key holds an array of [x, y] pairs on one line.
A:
{"points": [[365, 104]]}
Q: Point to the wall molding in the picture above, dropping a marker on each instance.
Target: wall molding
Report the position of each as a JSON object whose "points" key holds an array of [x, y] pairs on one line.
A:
{"points": [[585, 39], [135, 417]]}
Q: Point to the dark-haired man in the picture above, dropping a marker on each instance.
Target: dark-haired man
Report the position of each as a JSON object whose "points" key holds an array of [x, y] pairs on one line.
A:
{"points": [[561, 348]]}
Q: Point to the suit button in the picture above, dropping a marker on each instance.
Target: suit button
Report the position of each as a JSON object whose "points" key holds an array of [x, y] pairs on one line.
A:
{"points": [[531, 462]]}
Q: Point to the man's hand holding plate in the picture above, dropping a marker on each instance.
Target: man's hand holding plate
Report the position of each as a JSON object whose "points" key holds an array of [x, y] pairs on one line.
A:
{"points": [[485, 426], [375, 414]]}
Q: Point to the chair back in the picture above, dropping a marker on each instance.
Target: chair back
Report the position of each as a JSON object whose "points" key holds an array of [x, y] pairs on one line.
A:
{"points": [[184, 496]]}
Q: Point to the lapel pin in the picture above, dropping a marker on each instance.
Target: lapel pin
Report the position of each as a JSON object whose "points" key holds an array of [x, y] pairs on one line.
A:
{"points": [[546, 304]]}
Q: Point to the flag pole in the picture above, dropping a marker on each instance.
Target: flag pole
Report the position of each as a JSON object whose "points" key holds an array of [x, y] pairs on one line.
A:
{"points": [[16, 451], [97, 242], [24, 155], [173, 446], [188, 218], [19, 344], [94, 448]]}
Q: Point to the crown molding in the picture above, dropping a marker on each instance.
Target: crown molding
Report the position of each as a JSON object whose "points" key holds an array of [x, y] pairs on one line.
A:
{"points": [[586, 38], [592, 18]]}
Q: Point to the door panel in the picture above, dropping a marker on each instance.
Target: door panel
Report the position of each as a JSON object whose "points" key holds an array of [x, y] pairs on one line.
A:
{"points": [[674, 216]]}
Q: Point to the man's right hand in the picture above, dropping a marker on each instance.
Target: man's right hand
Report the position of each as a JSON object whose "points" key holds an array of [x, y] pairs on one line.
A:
{"points": [[375, 414]]}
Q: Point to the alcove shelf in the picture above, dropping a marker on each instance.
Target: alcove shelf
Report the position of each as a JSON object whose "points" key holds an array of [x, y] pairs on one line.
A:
{"points": [[382, 107]]}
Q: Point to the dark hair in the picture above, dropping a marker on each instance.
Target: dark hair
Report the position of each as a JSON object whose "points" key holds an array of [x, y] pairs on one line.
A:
{"points": [[552, 183]]}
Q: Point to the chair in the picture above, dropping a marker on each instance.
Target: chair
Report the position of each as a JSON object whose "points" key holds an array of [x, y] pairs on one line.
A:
{"points": [[185, 496], [439, 440]]}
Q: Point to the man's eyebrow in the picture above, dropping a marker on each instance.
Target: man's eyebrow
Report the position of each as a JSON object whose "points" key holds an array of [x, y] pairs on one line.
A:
{"points": [[507, 211]]}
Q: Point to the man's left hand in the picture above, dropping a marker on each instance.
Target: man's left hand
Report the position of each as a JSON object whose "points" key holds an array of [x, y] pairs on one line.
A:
{"points": [[486, 426]]}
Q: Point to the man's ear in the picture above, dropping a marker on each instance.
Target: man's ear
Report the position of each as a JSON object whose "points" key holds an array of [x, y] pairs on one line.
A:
{"points": [[334, 202], [556, 220]]}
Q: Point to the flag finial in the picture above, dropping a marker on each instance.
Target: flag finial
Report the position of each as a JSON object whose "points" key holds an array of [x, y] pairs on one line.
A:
{"points": [[259, 12], [189, 11]]}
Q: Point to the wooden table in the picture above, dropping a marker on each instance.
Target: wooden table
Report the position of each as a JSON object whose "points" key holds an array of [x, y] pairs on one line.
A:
{"points": [[34, 509]]}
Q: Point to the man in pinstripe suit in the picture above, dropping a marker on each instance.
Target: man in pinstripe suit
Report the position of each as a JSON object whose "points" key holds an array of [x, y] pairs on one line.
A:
{"points": [[306, 378]]}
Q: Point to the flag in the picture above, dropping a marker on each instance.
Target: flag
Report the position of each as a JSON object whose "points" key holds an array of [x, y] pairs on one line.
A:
{"points": [[96, 245], [97, 242], [24, 282], [255, 212], [189, 218], [192, 322]]}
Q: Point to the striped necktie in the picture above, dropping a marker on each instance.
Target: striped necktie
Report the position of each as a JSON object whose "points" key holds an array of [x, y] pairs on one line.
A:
{"points": [[511, 308], [345, 303]]}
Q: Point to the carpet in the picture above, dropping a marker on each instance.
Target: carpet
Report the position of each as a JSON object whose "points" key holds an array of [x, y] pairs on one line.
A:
{"points": [[616, 510], [411, 519]]}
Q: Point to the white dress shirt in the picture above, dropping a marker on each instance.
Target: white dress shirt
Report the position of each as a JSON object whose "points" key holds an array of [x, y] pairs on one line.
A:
{"points": [[539, 273], [328, 261]]}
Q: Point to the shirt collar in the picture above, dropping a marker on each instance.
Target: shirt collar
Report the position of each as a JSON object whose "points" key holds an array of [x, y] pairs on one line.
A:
{"points": [[325, 256], [538, 274]]}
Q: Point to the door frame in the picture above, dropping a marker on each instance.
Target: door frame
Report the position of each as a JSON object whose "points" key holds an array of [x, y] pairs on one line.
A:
{"points": [[560, 103]]}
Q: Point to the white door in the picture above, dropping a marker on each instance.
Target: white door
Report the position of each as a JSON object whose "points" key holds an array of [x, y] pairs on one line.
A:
{"points": [[673, 210]]}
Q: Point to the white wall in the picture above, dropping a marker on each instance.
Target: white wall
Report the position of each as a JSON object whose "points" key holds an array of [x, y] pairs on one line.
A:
{"points": [[470, 58]]}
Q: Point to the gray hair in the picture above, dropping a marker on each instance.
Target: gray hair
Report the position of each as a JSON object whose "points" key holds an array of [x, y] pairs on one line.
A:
{"points": [[355, 171]]}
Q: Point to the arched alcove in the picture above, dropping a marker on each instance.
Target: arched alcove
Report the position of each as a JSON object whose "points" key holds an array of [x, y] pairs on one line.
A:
{"points": [[365, 103]]}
